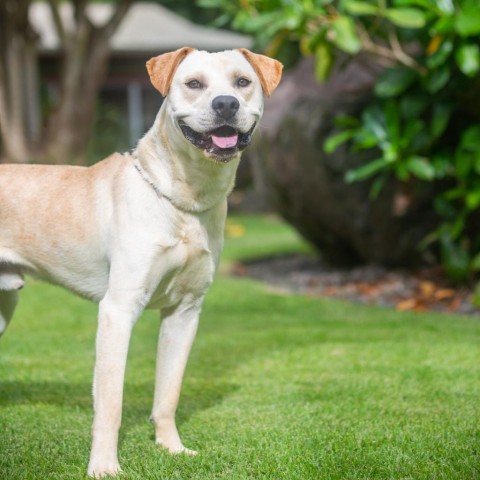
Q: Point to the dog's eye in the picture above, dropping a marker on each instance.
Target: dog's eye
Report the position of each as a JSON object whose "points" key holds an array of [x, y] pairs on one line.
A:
{"points": [[243, 82], [194, 84]]}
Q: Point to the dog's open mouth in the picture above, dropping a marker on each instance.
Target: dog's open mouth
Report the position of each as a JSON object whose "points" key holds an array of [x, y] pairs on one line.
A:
{"points": [[223, 143]]}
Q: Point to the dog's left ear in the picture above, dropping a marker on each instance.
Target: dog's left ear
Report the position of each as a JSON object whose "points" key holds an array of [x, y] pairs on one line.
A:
{"points": [[269, 71], [162, 68]]}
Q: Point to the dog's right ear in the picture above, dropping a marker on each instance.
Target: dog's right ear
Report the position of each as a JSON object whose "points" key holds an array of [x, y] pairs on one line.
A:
{"points": [[162, 68]]}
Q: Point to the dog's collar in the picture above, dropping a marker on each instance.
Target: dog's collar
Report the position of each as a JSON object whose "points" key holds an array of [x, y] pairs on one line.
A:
{"points": [[142, 173], [157, 191]]}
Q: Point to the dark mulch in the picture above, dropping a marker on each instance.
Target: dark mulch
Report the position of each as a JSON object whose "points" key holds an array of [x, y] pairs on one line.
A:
{"points": [[420, 290]]}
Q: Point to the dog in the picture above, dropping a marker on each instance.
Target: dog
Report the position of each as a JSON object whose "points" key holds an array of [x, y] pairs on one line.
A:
{"points": [[142, 229]]}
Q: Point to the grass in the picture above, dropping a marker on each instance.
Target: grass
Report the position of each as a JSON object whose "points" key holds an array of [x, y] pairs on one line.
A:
{"points": [[253, 236], [277, 387]]}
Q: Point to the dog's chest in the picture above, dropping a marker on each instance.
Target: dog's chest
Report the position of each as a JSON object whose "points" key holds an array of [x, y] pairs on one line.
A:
{"points": [[188, 260]]}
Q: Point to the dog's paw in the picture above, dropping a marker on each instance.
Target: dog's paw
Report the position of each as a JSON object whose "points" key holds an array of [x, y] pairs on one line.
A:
{"points": [[176, 449], [102, 471], [185, 451]]}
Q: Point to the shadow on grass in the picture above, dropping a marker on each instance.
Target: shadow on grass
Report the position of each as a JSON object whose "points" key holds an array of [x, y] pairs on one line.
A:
{"points": [[138, 398], [50, 393]]}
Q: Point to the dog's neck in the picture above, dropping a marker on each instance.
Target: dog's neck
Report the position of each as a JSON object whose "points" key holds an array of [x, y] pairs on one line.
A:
{"points": [[179, 171]]}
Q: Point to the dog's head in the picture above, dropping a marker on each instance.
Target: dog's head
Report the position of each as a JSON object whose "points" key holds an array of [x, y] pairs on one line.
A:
{"points": [[215, 99]]}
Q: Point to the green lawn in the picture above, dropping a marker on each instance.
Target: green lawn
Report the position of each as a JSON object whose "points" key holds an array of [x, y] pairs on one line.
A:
{"points": [[277, 387]]}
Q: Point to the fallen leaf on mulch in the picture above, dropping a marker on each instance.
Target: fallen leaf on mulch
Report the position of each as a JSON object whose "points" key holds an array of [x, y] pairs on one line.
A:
{"points": [[444, 293], [405, 305], [427, 289]]}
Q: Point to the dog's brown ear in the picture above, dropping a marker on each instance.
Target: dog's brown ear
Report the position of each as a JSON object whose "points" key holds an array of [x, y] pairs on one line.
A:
{"points": [[269, 71], [162, 68]]}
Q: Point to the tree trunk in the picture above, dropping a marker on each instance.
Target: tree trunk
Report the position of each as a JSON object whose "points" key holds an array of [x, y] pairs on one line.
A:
{"points": [[17, 60], [86, 52], [69, 125]]}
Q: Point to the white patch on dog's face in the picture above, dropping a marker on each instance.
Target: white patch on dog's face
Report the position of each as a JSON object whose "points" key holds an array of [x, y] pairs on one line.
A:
{"points": [[216, 101]]}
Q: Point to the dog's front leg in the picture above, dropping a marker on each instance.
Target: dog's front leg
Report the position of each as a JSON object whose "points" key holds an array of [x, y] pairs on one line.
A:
{"points": [[115, 323], [177, 333]]}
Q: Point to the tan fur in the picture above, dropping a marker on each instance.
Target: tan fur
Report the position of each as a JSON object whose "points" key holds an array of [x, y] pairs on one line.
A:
{"points": [[269, 71], [139, 230], [162, 68]]}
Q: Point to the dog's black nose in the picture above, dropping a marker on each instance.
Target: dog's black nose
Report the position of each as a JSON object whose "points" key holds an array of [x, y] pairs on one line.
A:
{"points": [[226, 106]]}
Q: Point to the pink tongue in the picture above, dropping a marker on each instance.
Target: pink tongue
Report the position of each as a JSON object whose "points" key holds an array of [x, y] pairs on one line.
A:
{"points": [[225, 142]]}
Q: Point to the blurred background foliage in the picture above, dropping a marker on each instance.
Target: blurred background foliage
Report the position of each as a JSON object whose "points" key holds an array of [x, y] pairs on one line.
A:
{"points": [[423, 119]]}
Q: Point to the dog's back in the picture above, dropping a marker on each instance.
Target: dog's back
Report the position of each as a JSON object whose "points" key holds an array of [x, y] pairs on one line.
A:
{"points": [[44, 229]]}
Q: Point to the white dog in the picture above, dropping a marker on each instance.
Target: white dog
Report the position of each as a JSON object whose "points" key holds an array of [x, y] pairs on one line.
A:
{"points": [[140, 230]]}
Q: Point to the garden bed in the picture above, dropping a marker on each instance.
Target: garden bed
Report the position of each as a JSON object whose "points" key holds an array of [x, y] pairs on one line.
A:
{"points": [[419, 290]]}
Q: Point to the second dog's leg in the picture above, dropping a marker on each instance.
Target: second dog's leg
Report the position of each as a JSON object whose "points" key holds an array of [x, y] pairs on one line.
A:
{"points": [[176, 337], [115, 323]]}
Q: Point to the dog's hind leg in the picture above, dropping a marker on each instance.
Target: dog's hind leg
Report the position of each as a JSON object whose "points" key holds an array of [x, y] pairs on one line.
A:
{"points": [[8, 302], [10, 282]]}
